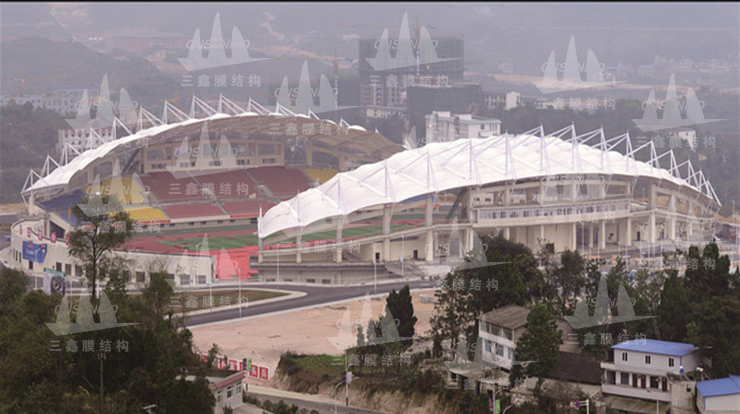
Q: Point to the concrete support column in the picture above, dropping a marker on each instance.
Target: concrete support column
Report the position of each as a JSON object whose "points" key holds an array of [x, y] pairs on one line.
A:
{"points": [[430, 250], [542, 232], [386, 233], [338, 240], [602, 190], [309, 156], [573, 240], [340, 157], [469, 208], [651, 227], [574, 190], [602, 234], [507, 233], [590, 234], [428, 215], [627, 236], [259, 250], [672, 228], [298, 242], [507, 196]]}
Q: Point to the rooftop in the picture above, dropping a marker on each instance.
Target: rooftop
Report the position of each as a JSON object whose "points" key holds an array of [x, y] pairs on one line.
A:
{"points": [[654, 346], [722, 386], [510, 316]]}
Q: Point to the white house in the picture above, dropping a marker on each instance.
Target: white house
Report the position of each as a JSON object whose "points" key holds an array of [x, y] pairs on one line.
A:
{"points": [[720, 396], [501, 328], [226, 387], [651, 370]]}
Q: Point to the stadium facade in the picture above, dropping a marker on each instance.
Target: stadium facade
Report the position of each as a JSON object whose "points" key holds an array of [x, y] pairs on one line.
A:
{"points": [[295, 198], [430, 204]]}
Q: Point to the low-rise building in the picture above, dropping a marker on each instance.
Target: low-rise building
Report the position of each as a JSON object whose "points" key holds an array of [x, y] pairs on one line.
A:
{"points": [[501, 328], [444, 126], [226, 387], [653, 371], [719, 396]]}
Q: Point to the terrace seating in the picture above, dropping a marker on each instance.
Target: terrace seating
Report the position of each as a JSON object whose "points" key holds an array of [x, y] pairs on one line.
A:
{"points": [[127, 190], [169, 189], [146, 214], [246, 208], [281, 181], [228, 184], [179, 211]]}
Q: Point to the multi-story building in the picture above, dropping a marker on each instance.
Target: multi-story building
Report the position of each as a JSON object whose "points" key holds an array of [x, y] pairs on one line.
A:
{"points": [[83, 139], [457, 97], [61, 101], [502, 100], [719, 396], [386, 88], [651, 370], [501, 328], [446, 126]]}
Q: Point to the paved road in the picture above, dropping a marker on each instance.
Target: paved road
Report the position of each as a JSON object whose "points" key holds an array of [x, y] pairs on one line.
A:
{"points": [[310, 402], [315, 295]]}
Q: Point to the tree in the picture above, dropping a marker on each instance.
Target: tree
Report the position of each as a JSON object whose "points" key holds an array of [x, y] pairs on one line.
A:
{"points": [[360, 337], [707, 273], [715, 329], [106, 226], [402, 309], [673, 310], [539, 343]]}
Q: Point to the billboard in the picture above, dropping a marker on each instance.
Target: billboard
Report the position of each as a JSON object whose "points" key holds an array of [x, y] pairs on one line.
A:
{"points": [[35, 252]]}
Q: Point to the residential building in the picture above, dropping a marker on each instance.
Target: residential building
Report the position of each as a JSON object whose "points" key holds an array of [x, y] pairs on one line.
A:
{"points": [[502, 100], [501, 328], [226, 387], [446, 126], [61, 101], [651, 370], [719, 396], [83, 139], [386, 88], [458, 97]]}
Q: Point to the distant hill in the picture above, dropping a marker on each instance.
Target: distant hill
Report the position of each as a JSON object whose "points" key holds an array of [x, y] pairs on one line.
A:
{"points": [[47, 65]]}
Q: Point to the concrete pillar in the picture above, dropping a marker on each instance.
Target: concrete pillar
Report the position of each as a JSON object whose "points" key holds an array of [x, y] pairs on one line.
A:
{"points": [[298, 242], [542, 232], [469, 208], [602, 190], [626, 238], [309, 156], [507, 233], [573, 240], [574, 190], [672, 228], [259, 250], [428, 216], [429, 245], [507, 196], [602, 234], [590, 234], [651, 227], [338, 252], [386, 233]]}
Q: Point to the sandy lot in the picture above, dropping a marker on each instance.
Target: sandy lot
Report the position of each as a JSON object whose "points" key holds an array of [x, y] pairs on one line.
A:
{"points": [[310, 331]]}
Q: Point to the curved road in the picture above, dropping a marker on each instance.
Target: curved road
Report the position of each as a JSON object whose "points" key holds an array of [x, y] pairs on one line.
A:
{"points": [[315, 295]]}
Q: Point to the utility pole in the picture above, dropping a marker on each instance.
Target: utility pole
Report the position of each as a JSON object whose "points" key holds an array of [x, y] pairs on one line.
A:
{"points": [[346, 381]]}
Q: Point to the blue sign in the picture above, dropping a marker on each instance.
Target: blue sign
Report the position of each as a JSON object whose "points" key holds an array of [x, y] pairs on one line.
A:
{"points": [[34, 251]]}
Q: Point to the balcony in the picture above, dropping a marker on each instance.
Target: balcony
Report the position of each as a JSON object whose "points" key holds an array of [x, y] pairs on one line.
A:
{"points": [[651, 394]]}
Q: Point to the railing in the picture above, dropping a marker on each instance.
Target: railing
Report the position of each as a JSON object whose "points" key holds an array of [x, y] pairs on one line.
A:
{"points": [[501, 213]]}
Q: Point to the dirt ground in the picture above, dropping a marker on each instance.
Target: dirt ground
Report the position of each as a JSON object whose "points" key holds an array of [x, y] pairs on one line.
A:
{"points": [[310, 331]]}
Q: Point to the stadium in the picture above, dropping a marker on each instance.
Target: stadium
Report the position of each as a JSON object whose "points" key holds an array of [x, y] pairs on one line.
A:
{"points": [[228, 192]]}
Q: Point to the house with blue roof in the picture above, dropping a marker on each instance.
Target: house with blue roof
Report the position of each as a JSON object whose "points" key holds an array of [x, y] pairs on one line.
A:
{"points": [[651, 370], [719, 396]]}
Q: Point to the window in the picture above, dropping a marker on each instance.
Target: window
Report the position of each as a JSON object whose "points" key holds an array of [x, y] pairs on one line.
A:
{"points": [[58, 267], [68, 269], [671, 362], [511, 353], [218, 396], [499, 350], [624, 356], [184, 279], [647, 359], [78, 270], [310, 280], [140, 277], [624, 378], [239, 387], [201, 279], [488, 346], [229, 391], [508, 334]]}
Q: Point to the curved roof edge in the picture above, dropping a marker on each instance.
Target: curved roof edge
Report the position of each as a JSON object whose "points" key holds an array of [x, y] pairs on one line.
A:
{"points": [[475, 162]]}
